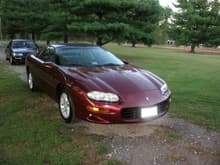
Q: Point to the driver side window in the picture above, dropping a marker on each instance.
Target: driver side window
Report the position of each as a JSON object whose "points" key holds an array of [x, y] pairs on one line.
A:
{"points": [[48, 55]]}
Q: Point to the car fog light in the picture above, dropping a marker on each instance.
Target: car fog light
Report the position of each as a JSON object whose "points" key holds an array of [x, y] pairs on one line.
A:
{"points": [[17, 54]]}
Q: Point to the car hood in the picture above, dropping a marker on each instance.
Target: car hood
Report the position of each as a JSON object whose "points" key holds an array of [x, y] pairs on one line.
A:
{"points": [[116, 79], [23, 50]]}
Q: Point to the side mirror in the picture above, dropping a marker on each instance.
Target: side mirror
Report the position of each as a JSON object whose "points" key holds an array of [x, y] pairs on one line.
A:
{"points": [[126, 62]]}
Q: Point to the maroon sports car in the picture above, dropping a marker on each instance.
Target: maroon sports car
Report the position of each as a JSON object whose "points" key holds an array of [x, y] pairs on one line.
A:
{"points": [[91, 83]]}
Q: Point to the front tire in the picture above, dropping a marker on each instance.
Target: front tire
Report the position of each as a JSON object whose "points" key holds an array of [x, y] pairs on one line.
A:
{"points": [[31, 83], [11, 60], [6, 58], [66, 107]]}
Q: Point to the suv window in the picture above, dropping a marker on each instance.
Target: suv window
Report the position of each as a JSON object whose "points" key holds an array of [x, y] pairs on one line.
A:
{"points": [[24, 44]]}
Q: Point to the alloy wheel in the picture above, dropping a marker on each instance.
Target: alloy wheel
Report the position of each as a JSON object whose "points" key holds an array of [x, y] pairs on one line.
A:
{"points": [[11, 60], [30, 81], [65, 106]]}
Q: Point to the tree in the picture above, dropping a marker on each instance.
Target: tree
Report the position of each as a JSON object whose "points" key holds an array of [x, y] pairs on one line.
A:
{"points": [[109, 20], [161, 32], [143, 18], [25, 17], [60, 14], [104, 20], [195, 21], [35, 17], [1, 34], [11, 19], [214, 32], [99, 19]]}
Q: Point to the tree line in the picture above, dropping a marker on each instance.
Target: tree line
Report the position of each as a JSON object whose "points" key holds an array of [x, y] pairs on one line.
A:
{"points": [[102, 20], [196, 21]]}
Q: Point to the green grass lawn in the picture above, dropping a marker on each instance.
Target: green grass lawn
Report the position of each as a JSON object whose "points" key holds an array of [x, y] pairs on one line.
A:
{"points": [[32, 132], [194, 80]]}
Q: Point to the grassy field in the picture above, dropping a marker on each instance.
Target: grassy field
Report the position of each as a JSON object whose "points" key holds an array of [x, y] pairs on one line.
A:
{"points": [[194, 80], [32, 132]]}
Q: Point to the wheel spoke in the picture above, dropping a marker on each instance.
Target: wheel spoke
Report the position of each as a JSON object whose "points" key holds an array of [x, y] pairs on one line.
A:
{"points": [[30, 81], [64, 105]]}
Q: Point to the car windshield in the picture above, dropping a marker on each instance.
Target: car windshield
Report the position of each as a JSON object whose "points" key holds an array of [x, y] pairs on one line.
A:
{"points": [[87, 56], [23, 44]]}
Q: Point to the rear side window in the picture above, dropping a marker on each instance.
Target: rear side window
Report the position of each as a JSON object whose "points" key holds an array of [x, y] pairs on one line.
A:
{"points": [[48, 55]]}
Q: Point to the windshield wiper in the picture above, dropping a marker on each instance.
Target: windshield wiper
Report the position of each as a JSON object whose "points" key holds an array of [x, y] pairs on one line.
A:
{"points": [[74, 65]]}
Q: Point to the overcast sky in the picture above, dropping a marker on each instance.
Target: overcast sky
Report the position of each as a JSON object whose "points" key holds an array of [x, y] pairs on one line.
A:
{"points": [[168, 3]]}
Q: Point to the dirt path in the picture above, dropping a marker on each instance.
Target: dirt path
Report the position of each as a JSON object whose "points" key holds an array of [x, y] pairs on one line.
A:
{"points": [[165, 141], [19, 69]]}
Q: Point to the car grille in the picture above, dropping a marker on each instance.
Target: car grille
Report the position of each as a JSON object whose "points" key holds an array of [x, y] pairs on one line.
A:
{"points": [[135, 113], [130, 113], [26, 54]]}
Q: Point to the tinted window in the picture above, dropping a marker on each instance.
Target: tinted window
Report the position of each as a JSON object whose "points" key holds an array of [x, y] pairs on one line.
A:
{"points": [[48, 55], [23, 44], [30, 44], [87, 56]]}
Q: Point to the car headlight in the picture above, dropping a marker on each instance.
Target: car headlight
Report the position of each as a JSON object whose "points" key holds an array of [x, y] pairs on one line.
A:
{"points": [[17, 54], [102, 96], [164, 89]]}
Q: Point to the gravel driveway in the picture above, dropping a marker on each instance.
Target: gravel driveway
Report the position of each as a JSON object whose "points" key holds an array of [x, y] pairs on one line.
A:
{"points": [[165, 141], [19, 69]]}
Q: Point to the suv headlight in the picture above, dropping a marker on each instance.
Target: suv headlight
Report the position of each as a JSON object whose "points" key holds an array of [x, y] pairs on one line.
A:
{"points": [[164, 89], [102, 96], [17, 54]]}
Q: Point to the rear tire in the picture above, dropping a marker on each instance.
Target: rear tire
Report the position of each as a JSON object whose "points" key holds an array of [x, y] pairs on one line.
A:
{"points": [[31, 83], [66, 107]]}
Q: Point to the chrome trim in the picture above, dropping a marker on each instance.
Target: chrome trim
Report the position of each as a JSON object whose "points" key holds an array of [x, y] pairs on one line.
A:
{"points": [[39, 60]]}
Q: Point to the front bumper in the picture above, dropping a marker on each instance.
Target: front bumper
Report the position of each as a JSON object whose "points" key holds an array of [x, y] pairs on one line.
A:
{"points": [[115, 114], [19, 59]]}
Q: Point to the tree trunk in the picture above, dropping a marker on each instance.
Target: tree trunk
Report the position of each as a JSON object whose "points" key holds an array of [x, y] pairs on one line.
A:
{"points": [[110, 40], [26, 35], [22, 35], [33, 36], [37, 36], [193, 48], [133, 43], [1, 34], [12, 36], [48, 42], [66, 38], [99, 41]]}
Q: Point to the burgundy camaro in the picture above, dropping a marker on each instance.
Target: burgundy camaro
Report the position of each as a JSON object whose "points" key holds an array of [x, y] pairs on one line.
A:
{"points": [[91, 83]]}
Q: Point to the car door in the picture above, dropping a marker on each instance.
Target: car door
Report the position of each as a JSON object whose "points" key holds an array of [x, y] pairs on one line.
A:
{"points": [[47, 72]]}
